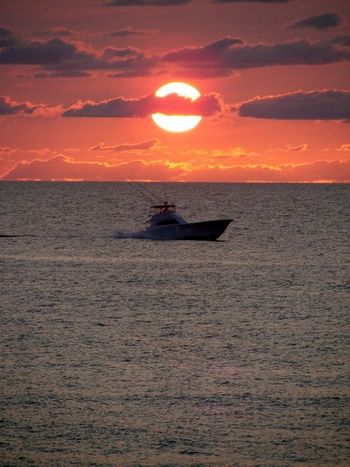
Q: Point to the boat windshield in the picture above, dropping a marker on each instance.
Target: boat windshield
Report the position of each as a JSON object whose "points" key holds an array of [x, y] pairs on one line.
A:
{"points": [[162, 208]]}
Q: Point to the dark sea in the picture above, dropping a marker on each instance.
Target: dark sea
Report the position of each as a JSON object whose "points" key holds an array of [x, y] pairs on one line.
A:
{"points": [[118, 351]]}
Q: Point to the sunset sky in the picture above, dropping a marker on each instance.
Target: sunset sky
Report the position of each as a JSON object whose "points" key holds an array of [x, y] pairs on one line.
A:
{"points": [[78, 80]]}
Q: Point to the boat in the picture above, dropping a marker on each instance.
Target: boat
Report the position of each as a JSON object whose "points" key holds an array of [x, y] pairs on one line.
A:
{"points": [[165, 223]]}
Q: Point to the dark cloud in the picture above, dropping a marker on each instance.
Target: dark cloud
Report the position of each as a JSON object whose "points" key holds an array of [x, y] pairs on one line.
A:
{"points": [[7, 38], [343, 41], [53, 51], [129, 32], [220, 58], [206, 105], [62, 74], [323, 21], [315, 105], [11, 107], [252, 1], [119, 3], [56, 31], [133, 67], [57, 57], [62, 32], [119, 107], [127, 52], [54, 54]]}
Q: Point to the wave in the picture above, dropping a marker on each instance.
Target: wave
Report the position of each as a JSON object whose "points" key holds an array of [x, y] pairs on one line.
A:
{"points": [[140, 234]]}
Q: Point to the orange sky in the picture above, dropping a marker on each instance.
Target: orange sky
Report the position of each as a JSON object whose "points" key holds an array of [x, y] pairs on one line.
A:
{"points": [[78, 79]]}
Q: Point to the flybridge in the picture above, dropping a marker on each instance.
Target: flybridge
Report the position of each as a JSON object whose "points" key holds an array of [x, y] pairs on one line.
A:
{"points": [[162, 208]]}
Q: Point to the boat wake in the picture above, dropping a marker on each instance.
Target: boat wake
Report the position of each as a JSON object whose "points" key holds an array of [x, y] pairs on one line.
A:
{"points": [[121, 233]]}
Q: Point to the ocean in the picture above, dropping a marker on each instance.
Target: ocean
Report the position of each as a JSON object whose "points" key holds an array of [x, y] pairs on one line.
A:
{"points": [[118, 351]]}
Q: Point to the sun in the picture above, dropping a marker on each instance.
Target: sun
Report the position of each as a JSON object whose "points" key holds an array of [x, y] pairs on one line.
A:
{"points": [[177, 123]]}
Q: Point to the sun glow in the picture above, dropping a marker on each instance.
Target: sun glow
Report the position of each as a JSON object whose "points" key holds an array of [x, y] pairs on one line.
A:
{"points": [[177, 123]]}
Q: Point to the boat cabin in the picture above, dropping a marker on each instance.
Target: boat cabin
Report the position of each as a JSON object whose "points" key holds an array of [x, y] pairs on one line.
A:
{"points": [[164, 208], [164, 214]]}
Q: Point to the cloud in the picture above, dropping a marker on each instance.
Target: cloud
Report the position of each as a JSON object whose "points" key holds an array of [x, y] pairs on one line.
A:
{"points": [[207, 105], [121, 107], [344, 148], [232, 165], [323, 21], [133, 68], [296, 148], [129, 32], [320, 171], [7, 149], [251, 1], [125, 147], [121, 3], [314, 105], [10, 107], [46, 166], [7, 38], [62, 74], [115, 52], [39, 53], [343, 41], [61, 167], [56, 31], [224, 56], [59, 58]]}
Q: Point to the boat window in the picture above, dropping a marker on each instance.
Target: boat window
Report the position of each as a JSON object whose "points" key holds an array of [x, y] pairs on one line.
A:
{"points": [[167, 222]]}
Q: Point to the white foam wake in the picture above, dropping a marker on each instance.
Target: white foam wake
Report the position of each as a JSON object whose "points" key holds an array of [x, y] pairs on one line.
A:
{"points": [[122, 233]]}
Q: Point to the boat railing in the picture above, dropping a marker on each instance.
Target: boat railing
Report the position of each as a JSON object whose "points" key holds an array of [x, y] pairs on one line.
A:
{"points": [[162, 208]]}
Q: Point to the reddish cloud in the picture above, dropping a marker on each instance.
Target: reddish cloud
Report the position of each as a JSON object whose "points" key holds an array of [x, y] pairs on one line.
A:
{"points": [[125, 147], [333, 171], [10, 107], [297, 148], [60, 167], [344, 148], [121, 107], [314, 105]]}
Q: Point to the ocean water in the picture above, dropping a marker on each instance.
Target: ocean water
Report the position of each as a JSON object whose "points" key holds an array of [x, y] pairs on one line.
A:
{"points": [[127, 352]]}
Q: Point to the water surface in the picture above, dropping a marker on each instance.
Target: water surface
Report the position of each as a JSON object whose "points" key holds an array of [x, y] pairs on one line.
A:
{"points": [[124, 352]]}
